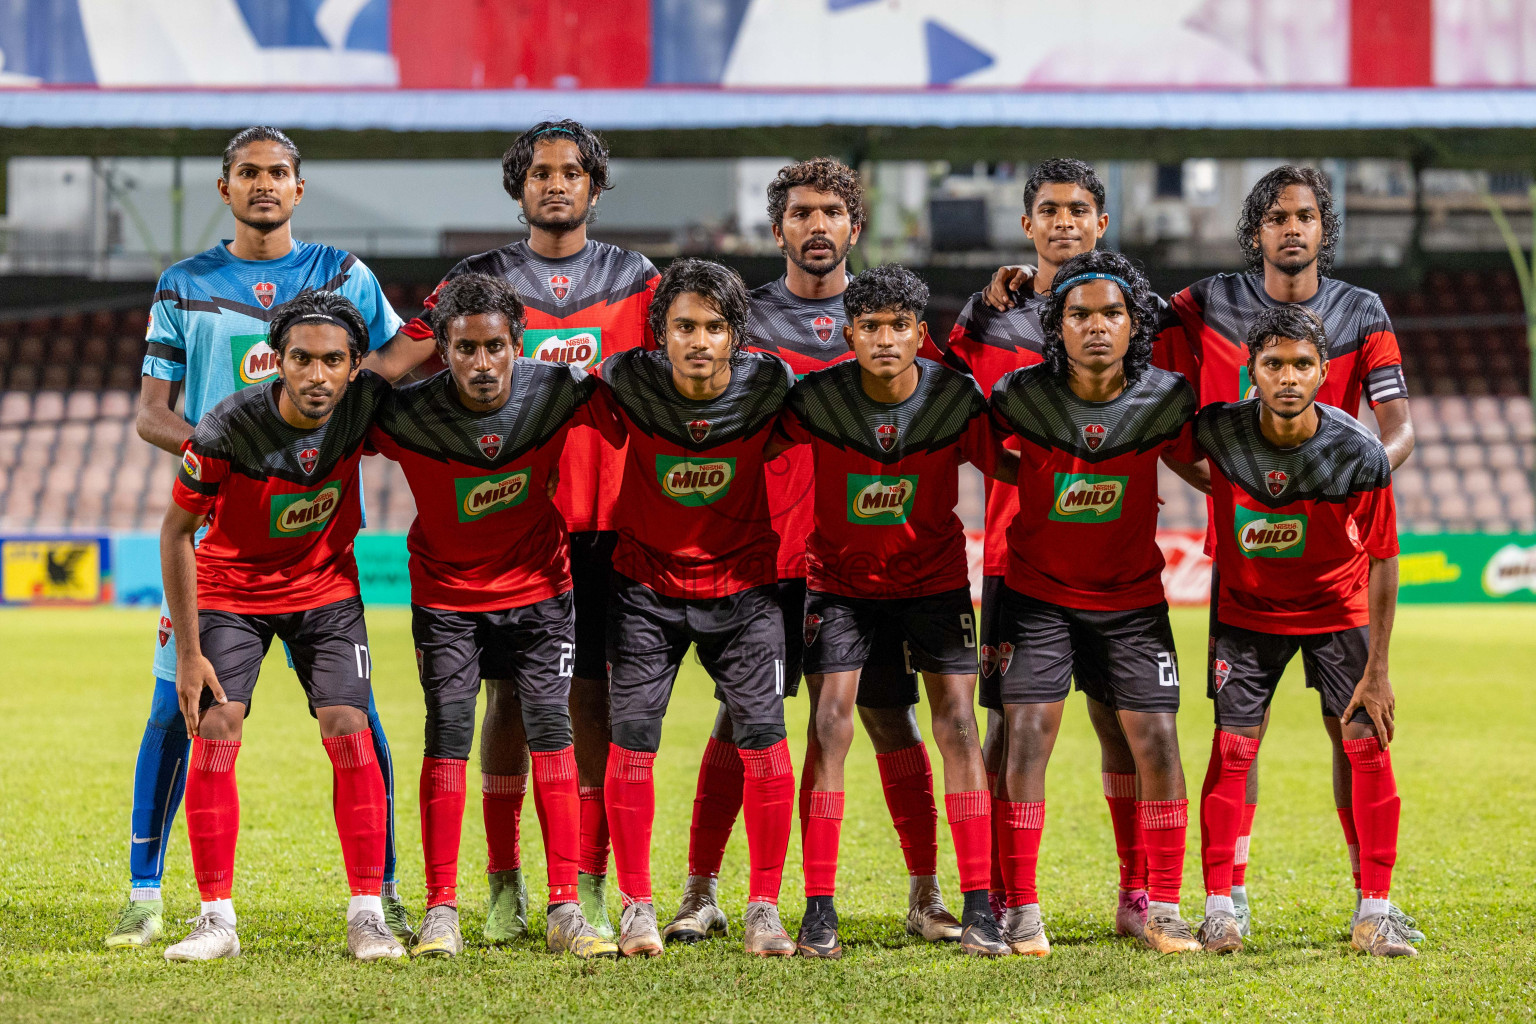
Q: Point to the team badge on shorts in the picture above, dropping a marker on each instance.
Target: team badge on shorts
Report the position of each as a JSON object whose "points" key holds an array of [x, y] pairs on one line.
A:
{"points": [[309, 458], [988, 659], [165, 630], [812, 627], [1221, 671], [698, 430], [1004, 658], [421, 667], [885, 433], [265, 291], [1276, 479], [822, 325], [560, 285], [1093, 436], [489, 444]]}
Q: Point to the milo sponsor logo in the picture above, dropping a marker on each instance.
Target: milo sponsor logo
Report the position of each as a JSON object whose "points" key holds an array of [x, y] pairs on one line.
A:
{"points": [[578, 346], [692, 481], [1088, 498], [294, 514], [479, 496], [1270, 534], [880, 500], [253, 359]]}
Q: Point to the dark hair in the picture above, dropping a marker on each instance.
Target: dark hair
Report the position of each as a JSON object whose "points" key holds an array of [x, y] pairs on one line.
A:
{"points": [[822, 174], [472, 295], [1298, 323], [884, 289], [1062, 171], [318, 304], [259, 133], [1266, 193], [719, 285], [1139, 303], [519, 156]]}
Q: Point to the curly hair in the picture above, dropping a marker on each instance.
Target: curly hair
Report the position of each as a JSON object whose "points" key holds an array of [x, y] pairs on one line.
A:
{"points": [[822, 174], [1297, 323], [716, 283], [519, 156], [258, 133], [1063, 171], [884, 289], [321, 307], [473, 295], [1139, 303], [1266, 193]]}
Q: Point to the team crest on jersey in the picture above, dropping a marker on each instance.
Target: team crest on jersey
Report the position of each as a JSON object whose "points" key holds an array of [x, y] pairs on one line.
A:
{"points": [[191, 465], [1221, 671], [489, 445], [1276, 479], [265, 291], [1093, 436], [698, 430], [885, 433], [560, 285], [309, 458], [812, 628], [822, 325], [165, 630]]}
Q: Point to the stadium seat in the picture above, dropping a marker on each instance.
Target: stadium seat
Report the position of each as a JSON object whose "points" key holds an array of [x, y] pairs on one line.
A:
{"points": [[117, 404], [81, 405], [15, 407]]}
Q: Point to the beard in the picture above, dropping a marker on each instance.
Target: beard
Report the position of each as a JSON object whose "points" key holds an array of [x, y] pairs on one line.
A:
{"points": [[1290, 266], [1311, 401], [820, 266], [559, 227]]}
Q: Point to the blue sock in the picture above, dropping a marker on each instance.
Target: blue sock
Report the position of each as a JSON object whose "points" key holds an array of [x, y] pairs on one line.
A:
{"points": [[159, 778], [387, 767]]}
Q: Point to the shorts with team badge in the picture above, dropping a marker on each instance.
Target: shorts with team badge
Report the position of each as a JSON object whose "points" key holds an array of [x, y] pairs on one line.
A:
{"points": [[533, 647], [1246, 667], [989, 689], [328, 647], [1123, 659], [938, 632]]}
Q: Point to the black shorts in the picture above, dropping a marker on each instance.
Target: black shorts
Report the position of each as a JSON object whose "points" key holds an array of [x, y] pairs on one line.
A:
{"points": [[328, 645], [1123, 659], [532, 646], [591, 580], [1246, 668], [989, 690], [938, 630], [740, 640]]}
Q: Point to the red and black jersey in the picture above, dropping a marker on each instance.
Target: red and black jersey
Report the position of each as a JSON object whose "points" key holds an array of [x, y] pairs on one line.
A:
{"points": [[486, 535], [282, 503], [887, 480], [581, 308], [693, 512], [1216, 312], [1086, 533], [1296, 527]]}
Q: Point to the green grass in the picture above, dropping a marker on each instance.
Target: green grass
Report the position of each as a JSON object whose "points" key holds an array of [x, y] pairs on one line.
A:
{"points": [[74, 692]]}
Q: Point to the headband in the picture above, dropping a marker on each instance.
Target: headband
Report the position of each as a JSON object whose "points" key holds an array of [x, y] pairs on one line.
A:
{"points": [[546, 131], [310, 318], [1070, 282]]}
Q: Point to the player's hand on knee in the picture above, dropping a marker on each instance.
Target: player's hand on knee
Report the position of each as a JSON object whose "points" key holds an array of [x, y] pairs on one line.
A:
{"points": [[193, 675], [1007, 280], [1374, 694]]}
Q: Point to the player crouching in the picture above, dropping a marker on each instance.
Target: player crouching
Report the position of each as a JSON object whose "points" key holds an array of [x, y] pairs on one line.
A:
{"points": [[273, 469], [1306, 552], [888, 432], [480, 444]]}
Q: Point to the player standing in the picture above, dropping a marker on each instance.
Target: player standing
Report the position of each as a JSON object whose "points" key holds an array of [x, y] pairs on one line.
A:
{"points": [[480, 443], [208, 334], [273, 470], [1306, 546], [887, 433], [695, 564], [584, 300], [1083, 594], [816, 210]]}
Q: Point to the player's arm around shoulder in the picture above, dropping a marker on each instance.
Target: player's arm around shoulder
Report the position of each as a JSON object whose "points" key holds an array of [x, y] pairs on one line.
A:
{"points": [[601, 409], [1183, 455], [789, 430]]}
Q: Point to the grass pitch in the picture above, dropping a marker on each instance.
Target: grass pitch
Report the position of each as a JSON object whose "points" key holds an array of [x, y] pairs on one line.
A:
{"points": [[74, 690]]}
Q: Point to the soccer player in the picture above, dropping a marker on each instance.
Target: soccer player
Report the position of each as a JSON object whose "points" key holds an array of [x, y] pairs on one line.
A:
{"points": [[584, 300], [695, 564], [1306, 547], [816, 210], [480, 443], [273, 470], [887, 433], [1083, 593], [208, 335]]}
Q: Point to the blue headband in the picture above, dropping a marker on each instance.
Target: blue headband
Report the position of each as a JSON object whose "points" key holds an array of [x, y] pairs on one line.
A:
{"points": [[1062, 288], [546, 131]]}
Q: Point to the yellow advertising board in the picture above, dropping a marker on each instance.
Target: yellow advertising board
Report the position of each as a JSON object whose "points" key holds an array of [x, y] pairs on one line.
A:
{"points": [[61, 570]]}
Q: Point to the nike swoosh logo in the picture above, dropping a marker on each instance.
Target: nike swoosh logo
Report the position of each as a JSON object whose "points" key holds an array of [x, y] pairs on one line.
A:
{"points": [[146, 839]]}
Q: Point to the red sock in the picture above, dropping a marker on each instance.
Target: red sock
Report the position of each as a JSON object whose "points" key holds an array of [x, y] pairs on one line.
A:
{"points": [[996, 887], [442, 822], [1120, 794], [593, 856], [559, 810], [1377, 808], [1240, 851], [1162, 824], [716, 802], [907, 779], [1222, 799], [630, 801], [767, 793], [820, 830], [1020, 836], [1351, 840], [362, 809], [970, 825], [213, 815], [501, 801]]}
